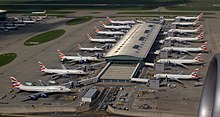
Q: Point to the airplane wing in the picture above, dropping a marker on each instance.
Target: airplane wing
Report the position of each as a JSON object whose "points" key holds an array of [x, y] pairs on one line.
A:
{"points": [[63, 67], [183, 57], [105, 46], [177, 80], [180, 73], [36, 96], [180, 64], [42, 83]]}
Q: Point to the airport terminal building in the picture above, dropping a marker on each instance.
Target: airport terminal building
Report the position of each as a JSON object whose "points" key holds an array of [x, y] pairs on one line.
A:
{"points": [[135, 45], [132, 49]]}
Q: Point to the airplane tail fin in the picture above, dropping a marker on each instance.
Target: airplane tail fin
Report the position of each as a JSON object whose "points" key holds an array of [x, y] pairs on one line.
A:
{"points": [[200, 15], [42, 66], [203, 46], [96, 29], [195, 73], [61, 55], [201, 35], [199, 28], [45, 11], [89, 37], [15, 82], [101, 23], [109, 19], [196, 22], [198, 58]]}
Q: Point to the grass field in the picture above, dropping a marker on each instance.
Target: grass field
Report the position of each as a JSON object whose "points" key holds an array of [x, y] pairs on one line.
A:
{"points": [[44, 37], [13, 8], [79, 20], [194, 8], [166, 13], [7, 58], [93, 1]]}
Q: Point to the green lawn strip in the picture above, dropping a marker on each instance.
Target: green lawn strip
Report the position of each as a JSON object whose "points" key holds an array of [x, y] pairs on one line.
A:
{"points": [[79, 20], [167, 13], [92, 2], [44, 37], [194, 8], [51, 7], [7, 58]]}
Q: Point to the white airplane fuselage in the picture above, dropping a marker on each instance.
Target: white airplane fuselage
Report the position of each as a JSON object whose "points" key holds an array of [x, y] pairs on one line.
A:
{"points": [[174, 76], [110, 33], [117, 27], [79, 58], [29, 21], [182, 38], [183, 49], [104, 40], [48, 89], [178, 61], [122, 22], [91, 49], [63, 71], [183, 31], [184, 23]]}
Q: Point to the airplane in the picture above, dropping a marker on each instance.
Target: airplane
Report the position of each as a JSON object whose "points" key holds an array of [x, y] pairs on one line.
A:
{"points": [[77, 58], [38, 12], [6, 28], [43, 91], [108, 33], [114, 27], [186, 31], [28, 21], [189, 18], [182, 61], [101, 40], [91, 49], [179, 77], [186, 23], [183, 39], [120, 22], [202, 48], [63, 71]]}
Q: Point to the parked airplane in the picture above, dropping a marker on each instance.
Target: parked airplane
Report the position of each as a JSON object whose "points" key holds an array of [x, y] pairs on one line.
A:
{"points": [[39, 12], [101, 40], [186, 23], [202, 48], [63, 71], [7, 28], [92, 49], [77, 58], [183, 31], [108, 33], [184, 39], [28, 21], [114, 27], [120, 22], [179, 77], [189, 18], [43, 91], [182, 61]]}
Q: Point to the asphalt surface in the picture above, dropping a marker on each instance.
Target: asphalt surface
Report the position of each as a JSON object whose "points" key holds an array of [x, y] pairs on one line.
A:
{"points": [[25, 66]]}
